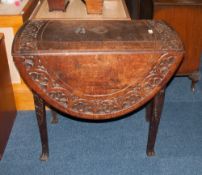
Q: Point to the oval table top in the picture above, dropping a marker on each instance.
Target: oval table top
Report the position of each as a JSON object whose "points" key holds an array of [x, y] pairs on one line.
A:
{"points": [[97, 69]]}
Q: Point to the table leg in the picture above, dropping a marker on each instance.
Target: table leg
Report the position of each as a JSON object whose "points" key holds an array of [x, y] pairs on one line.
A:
{"points": [[41, 119], [149, 110], [155, 115], [54, 118], [195, 77]]}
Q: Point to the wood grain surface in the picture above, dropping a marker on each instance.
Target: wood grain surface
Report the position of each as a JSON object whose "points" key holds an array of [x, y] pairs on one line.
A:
{"points": [[96, 69], [186, 18]]}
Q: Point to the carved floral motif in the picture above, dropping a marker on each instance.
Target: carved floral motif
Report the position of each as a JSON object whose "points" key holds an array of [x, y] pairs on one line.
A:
{"points": [[168, 38], [69, 101], [28, 37], [164, 34]]}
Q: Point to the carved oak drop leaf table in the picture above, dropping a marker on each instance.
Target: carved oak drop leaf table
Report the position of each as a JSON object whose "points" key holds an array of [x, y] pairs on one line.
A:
{"points": [[97, 70]]}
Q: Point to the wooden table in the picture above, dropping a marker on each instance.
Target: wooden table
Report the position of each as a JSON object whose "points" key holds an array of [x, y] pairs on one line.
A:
{"points": [[97, 70]]}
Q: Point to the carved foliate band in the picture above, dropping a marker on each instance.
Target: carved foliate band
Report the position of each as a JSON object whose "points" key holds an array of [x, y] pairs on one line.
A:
{"points": [[162, 33], [71, 102]]}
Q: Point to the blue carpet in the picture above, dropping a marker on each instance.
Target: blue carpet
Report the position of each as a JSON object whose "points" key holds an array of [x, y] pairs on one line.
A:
{"points": [[113, 148]]}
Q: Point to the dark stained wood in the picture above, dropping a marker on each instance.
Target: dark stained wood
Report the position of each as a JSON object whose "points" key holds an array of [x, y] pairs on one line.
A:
{"points": [[146, 9], [58, 5], [97, 69], [7, 103], [133, 8], [149, 108], [54, 118], [140, 9], [154, 115], [41, 119]]}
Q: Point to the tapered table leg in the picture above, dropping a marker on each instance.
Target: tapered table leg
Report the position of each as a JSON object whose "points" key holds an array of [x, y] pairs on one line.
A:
{"points": [[54, 118], [149, 111], [195, 77], [41, 119], [154, 120]]}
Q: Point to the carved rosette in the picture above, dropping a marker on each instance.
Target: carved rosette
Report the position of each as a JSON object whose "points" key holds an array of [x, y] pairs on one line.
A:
{"points": [[75, 104]]}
